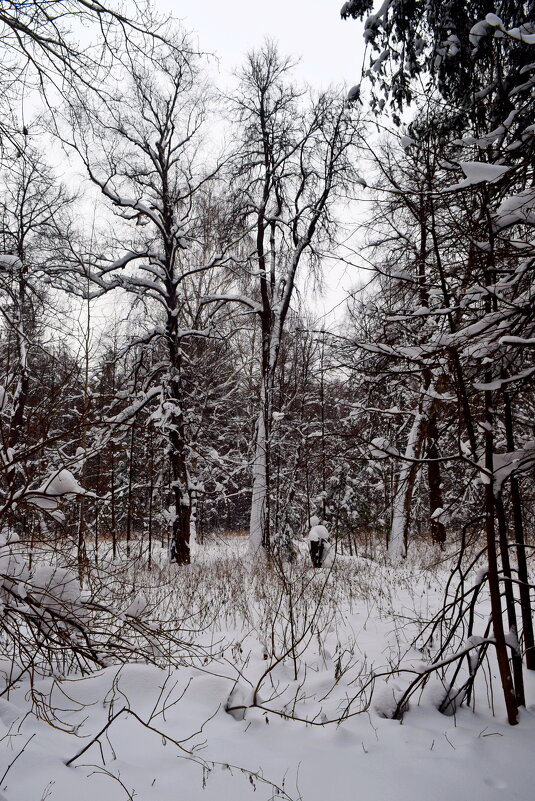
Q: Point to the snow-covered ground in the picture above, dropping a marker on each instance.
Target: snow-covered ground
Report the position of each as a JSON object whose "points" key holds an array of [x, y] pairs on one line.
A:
{"points": [[303, 647]]}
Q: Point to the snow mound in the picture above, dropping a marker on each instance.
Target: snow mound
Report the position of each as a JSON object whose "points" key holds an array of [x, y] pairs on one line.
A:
{"points": [[55, 587]]}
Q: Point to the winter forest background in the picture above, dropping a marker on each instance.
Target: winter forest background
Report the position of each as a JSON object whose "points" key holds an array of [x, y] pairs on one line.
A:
{"points": [[238, 527]]}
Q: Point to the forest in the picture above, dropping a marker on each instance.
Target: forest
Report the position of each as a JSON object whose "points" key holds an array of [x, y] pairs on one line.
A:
{"points": [[252, 545]]}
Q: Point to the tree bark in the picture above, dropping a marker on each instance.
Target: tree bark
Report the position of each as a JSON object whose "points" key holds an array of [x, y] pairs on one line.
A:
{"points": [[518, 523], [494, 584]]}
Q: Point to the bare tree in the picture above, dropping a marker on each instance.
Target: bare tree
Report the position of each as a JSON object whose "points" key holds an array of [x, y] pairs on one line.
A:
{"points": [[143, 149], [35, 434], [293, 162], [41, 53]]}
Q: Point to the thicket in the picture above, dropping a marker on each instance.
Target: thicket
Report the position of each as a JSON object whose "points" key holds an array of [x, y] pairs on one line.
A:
{"points": [[162, 377]]}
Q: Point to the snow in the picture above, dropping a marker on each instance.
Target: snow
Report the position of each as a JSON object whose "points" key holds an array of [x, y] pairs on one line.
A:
{"points": [[519, 208], [478, 172], [8, 262], [13, 567], [477, 32], [406, 142], [318, 533], [61, 483], [170, 730], [494, 21], [381, 448], [55, 587], [137, 607], [505, 464], [522, 34], [498, 383]]}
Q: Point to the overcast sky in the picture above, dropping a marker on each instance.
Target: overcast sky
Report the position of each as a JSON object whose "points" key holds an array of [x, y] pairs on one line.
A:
{"points": [[330, 49], [330, 53]]}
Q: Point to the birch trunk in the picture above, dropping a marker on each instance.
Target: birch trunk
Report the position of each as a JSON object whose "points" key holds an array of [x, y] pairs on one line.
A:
{"points": [[397, 543], [259, 489]]}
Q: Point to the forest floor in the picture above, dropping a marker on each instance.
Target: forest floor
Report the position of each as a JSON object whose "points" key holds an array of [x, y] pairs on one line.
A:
{"points": [[304, 647]]}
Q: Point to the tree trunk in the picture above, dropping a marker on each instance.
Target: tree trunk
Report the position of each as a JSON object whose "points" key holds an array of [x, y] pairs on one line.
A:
{"points": [[258, 530], [518, 522], [401, 513], [438, 529], [181, 532], [494, 584], [516, 656], [180, 550]]}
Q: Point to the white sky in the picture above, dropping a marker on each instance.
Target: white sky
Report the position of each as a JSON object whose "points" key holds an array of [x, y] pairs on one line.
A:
{"points": [[330, 49], [330, 53]]}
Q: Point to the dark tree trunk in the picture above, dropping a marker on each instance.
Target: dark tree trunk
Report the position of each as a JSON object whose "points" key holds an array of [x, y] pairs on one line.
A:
{"points": [[129, 511], [494, 584], [317, 548], [516, 656], [518, 522], [434, 479], [180, 551]]}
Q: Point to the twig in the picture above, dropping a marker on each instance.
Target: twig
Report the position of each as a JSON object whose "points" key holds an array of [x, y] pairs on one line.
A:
{"points": [[15, 759]]}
